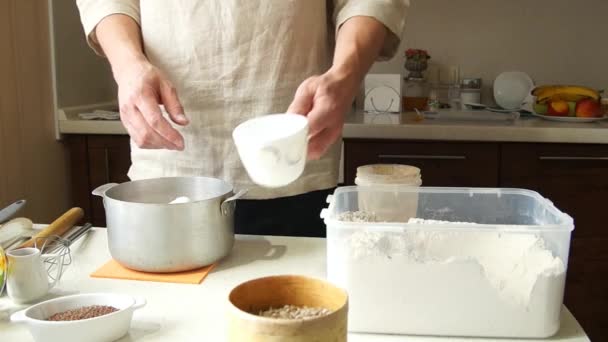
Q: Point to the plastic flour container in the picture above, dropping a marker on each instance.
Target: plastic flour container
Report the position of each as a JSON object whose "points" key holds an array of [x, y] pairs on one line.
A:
{"points": [[472, 262]]}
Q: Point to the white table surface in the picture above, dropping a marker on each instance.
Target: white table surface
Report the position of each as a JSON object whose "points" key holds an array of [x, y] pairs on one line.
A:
{"points": [[182, 312]]}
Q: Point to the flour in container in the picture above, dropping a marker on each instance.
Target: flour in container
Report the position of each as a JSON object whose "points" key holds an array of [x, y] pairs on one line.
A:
{"points": [[450, 281]]}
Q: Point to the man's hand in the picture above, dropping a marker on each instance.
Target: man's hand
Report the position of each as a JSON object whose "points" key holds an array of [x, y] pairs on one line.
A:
{"points": [[324, 100], [141, 86], [141, 89]]}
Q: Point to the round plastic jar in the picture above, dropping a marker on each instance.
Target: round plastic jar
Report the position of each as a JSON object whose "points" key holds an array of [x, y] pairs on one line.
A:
{"points": [[394, 201]]}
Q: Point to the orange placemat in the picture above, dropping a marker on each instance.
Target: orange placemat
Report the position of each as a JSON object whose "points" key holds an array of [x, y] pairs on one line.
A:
{"points": [[112, 269]]}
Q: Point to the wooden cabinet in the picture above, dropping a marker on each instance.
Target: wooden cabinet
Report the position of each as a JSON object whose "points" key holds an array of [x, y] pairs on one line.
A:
{"points": [[575, 178], [443, 163], [97, 160]]}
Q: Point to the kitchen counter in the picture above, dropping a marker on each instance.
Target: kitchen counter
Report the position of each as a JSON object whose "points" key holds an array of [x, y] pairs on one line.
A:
{"points": [[524, 129], [179, 312]]}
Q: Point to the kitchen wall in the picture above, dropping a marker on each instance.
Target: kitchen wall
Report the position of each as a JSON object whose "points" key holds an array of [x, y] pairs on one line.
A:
{"points": [[555, 41], [33, 165]]}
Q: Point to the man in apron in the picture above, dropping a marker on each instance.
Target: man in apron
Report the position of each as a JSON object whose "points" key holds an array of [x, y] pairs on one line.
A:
{"points": [[189, 71]]}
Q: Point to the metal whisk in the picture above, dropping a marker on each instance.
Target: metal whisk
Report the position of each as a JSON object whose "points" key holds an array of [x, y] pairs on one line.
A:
{"points": [[55, 250]]}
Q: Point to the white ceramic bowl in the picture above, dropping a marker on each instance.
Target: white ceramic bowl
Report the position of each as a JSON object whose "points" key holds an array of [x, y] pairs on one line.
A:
{"points": [[511, 89], [273, 148], [104, 328]]}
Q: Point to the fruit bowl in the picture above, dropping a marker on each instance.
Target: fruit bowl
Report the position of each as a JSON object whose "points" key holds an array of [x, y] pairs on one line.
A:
{"points": [[573, 119], [567, 103]]}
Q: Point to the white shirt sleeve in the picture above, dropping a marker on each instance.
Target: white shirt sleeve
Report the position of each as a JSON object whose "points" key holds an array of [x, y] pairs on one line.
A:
{"points": [[391, 13], [93, 11]]}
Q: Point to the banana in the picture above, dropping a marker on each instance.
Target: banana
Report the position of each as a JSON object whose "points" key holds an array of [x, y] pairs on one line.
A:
{"points": [[546, 94]]}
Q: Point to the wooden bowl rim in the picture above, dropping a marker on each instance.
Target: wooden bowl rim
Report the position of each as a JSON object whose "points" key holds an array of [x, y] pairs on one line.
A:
{"points": [[287, 321]]}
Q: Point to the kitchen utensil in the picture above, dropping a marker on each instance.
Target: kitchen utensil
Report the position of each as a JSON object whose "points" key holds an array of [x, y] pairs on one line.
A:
{"points": [[57, 227], [249, 298], [15, 231], [571, 119], [56, 250], [511, 89], [77, 232], [273, 148], [55, 255], [69, 237], [10, 211], [27, 277], [108, 327], [146, 233]]}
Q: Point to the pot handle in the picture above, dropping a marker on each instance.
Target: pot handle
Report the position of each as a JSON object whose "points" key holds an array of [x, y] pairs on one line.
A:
{"points": [[101, 190], [19, 316], [227, 207]]}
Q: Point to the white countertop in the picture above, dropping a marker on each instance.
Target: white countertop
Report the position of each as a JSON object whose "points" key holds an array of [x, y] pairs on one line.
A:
{"points": [[180, 312], [524, 129]]}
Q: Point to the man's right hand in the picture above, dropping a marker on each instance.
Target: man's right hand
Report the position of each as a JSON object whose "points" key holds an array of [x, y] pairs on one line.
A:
{"points": [[141, 89]]}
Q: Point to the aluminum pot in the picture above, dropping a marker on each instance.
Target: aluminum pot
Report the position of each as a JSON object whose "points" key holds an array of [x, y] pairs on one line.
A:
{"points": [[147, 233]]}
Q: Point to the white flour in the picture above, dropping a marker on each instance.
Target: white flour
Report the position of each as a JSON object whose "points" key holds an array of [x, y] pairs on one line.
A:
{"points": [[457, 283], [181, 199]]}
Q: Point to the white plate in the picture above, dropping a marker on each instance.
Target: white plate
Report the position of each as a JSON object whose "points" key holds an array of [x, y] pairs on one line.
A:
{"points": [[511, 89], [500, 110], [479, 106], [569, 118]]}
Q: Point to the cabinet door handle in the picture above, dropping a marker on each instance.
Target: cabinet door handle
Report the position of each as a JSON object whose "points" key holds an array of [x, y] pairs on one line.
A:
{"points": [[565, 158], [420, 156]]}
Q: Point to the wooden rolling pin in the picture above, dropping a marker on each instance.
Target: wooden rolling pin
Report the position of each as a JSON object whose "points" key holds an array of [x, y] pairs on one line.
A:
{"points": [[58, 227]]}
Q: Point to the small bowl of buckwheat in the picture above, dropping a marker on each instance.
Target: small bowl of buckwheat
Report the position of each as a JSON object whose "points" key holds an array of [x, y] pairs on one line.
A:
{"points": [[82, 317], [287, 307]]}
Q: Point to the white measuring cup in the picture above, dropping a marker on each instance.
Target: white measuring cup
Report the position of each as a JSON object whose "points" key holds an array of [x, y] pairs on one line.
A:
{"points": [[273, 148]]}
